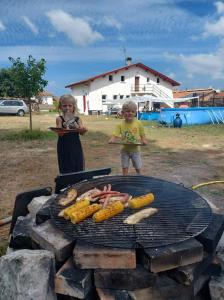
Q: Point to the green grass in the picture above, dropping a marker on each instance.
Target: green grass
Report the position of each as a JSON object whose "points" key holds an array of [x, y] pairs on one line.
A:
{"points": [[26, 135], [3, 247]]}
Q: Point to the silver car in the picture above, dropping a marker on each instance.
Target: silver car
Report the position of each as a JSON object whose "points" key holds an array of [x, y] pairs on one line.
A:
{"points": [[14, 107]]}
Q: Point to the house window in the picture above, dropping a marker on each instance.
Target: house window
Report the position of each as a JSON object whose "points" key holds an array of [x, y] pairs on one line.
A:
{"points": [[157, 80], [148, 79], [121, 96], [114, 97], [110, 77], [104, 97], [122, 78]]}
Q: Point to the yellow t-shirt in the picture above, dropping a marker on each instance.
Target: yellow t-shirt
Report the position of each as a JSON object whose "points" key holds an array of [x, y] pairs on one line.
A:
{"points": [[130, 132]]}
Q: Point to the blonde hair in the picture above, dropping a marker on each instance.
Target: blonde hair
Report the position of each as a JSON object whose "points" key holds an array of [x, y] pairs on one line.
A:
{"points": [[129, 105], [70, 99]]}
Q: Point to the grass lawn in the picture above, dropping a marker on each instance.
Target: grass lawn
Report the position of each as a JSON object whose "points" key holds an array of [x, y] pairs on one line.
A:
{"points": [[188, 156]]}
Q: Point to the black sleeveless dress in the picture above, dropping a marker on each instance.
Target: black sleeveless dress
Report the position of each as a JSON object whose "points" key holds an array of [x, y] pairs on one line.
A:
{"points": [[69, 150]]}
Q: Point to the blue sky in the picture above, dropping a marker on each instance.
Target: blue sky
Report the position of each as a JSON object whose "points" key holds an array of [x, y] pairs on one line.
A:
{"points": [[83, 38]]}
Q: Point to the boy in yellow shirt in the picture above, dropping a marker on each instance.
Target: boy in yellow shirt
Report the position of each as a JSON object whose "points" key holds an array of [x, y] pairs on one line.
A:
{"points": [[131, 132]]}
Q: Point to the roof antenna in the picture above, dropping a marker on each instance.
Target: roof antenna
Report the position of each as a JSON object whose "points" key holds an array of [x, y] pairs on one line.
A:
{"points": [[125, 55]]}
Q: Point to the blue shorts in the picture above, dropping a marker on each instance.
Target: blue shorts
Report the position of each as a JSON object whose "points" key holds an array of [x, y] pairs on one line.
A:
{"points": [[135, 157]]}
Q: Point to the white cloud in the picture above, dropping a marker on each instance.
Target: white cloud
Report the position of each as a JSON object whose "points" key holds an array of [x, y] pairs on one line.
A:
{"points": [[74, 54], [211, 65], [171, 75], [31, 25], [216, 28], [77, 29], [2, 27], [220, 7], [111, 22]]}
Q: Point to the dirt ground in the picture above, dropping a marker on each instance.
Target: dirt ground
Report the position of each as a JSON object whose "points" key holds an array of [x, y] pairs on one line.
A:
{"points": [[186, 156]]}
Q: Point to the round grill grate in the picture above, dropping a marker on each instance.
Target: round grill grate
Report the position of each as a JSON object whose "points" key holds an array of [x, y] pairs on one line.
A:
{"points": [[182, 214]]}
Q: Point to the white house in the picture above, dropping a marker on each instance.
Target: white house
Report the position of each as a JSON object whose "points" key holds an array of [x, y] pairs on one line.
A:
{"points": [[98, 93], [45, 98]]}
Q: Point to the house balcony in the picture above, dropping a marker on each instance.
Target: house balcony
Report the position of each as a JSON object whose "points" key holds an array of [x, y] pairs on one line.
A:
{"points": [[153, 89], [141, 88]]}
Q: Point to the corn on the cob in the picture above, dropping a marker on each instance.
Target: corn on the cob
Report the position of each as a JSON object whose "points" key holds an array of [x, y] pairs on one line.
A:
{"points": [[83, 213], [78, 205], [108, 212], [141, 201]]}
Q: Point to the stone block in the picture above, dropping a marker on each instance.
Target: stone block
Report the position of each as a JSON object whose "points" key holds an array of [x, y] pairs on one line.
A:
{"points": [[20, 237], [172, 256], [216, 267], [216, 287], [212, 234], [22, 200], [48, 237], [36, 204], [44, 214], [124, 279], [27, 274], [87, 256], [73, 281]]}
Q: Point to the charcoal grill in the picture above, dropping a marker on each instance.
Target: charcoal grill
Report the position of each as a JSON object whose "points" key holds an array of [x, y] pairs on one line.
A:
{"points": [[182, 214]]}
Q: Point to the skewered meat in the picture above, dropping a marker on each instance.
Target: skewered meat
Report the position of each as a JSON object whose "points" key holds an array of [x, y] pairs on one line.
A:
{"points": [[101, 194], [142, 214], [89, 194], [68, 197], [122, 197]]}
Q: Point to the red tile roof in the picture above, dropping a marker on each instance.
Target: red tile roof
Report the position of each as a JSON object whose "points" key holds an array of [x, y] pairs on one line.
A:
{"points": [[219, 95], [180, 94], [45, 94], [144, 67], [199, 91]]}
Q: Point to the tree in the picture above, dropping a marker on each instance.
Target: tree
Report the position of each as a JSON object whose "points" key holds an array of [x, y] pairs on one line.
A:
{"points": [[6, 86], [27, 78]]}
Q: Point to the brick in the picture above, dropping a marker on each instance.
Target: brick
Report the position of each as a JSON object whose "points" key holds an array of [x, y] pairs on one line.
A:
{"points": [[172, 256], [48, 237], [87, 256], [165, 289], [128, 279], [212, 234], [72, 281], [105, 294], [189, 274]]}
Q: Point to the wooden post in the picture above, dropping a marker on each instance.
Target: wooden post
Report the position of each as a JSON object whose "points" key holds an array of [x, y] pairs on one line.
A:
{"points": [[30, 113]]}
